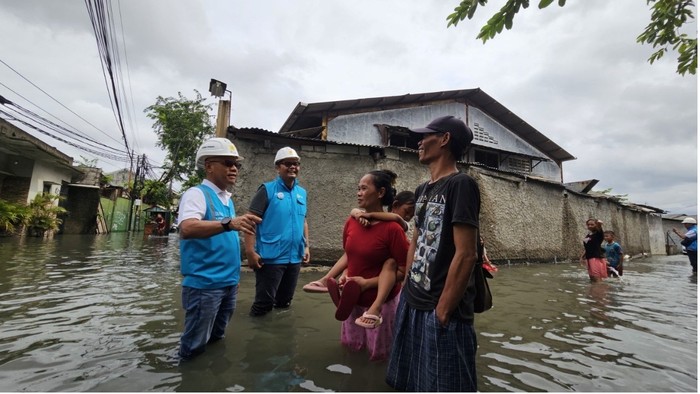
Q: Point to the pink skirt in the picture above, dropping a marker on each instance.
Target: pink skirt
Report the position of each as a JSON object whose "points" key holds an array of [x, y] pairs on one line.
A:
{"points": [[377, 340], [597, 268]]}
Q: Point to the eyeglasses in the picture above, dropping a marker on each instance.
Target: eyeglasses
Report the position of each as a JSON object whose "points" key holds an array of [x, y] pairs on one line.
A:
{"points": [[291, 164], [228, 163]]}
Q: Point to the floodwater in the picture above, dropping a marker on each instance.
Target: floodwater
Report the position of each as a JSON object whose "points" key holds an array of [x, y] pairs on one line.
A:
{"points": [[102, 313]]}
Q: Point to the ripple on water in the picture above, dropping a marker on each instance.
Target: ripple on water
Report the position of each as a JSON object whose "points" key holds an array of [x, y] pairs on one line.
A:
{"points": [[103, 314]]}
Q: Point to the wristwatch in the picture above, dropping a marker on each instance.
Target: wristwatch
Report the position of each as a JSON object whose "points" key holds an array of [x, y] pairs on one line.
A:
{"points": [[225, 224]]}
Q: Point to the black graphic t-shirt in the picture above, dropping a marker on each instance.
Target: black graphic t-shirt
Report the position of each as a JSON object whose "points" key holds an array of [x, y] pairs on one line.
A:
{"points": [[451, 200]]}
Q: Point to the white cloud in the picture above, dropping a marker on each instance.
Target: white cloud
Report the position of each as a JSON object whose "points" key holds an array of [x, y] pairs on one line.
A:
{"points": [[575, 73]]}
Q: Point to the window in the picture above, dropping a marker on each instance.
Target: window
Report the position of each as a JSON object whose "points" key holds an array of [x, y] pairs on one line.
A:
{"points": [[519, 164], [487, 158], [47, 188]]}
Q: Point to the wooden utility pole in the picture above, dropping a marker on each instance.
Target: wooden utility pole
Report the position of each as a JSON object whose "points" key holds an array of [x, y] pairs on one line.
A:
{"points": [[223, 117]]}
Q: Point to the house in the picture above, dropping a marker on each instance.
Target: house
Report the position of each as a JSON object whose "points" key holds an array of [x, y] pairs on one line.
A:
{"points": [[29, 166], [502, 140], [527, 212], [121, 177]]}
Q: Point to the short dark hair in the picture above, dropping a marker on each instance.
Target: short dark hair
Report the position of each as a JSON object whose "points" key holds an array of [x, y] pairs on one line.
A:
{"points": [[405, 197], [609, 232]]}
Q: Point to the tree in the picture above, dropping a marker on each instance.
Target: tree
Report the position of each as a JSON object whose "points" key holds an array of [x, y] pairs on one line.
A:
{"points": [[156, 193], [667, 17], [181, 125]]}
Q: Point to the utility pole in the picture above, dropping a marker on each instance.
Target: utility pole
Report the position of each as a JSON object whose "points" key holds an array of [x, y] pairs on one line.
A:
{"points": [[223, 117]]}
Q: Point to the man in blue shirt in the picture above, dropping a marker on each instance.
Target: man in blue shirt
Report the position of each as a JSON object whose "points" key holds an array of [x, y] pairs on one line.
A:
{"points": [[690, 241], [280, 243], [209, 248]]}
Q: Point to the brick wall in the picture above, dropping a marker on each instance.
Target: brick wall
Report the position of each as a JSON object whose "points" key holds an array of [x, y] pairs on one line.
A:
{"points": [[15, 189]]}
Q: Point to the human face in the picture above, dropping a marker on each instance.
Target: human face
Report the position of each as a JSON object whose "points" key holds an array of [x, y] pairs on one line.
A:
{"points": [[591, 225], [429, 147], [288, 169], [222, 171], [608, 238], [368, 197], [406, 211]]}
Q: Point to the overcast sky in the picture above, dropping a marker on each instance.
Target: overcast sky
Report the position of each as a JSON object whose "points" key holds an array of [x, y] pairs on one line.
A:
{"points": [[574, 73]]}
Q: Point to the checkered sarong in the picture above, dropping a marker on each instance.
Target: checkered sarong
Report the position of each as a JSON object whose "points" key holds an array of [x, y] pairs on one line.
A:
{"points": [[428, 357]]}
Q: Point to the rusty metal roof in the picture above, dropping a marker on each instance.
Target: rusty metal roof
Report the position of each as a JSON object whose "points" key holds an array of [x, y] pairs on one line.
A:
{"points": [[309, 116]]}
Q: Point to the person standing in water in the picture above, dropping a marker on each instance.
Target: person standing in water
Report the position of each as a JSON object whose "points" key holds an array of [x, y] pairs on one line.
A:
{"points": [[593, 254]]}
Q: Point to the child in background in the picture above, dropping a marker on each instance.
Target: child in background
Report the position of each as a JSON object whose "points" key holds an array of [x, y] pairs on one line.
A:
{"points": [[613, 253]]}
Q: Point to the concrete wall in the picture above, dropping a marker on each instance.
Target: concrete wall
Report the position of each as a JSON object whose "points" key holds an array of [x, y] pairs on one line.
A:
{"points": [[524, 220], [47, 174], [521, 219]]}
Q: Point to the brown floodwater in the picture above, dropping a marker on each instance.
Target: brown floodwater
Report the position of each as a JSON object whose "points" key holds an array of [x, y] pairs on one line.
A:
{"points": [[103, 313]]}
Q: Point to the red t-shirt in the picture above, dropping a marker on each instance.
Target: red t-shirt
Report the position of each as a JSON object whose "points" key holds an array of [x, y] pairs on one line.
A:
{"points": [[367, 248]]}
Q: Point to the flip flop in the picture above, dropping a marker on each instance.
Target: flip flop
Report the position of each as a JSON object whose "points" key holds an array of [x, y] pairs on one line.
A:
{"points": [[376, 320], [315, 287], [333, 290], [348, 299]]}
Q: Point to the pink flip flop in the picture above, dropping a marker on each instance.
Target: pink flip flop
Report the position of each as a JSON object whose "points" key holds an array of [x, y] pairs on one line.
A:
{"points": [[315, 287], [346, 300], [376, 320]]}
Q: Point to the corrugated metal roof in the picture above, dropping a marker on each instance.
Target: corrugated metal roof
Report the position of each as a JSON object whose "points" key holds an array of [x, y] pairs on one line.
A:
{"points": [[306, 116]]}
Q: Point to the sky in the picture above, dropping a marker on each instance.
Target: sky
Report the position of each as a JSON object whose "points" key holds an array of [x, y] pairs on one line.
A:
{"points": [[575, 73]]}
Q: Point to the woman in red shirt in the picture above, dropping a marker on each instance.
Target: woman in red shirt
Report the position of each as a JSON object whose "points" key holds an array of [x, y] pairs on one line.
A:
{"points": [[369, 286]]}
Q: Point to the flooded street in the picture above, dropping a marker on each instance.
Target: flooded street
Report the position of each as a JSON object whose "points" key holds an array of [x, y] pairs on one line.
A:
{"points": [[102, 313]]}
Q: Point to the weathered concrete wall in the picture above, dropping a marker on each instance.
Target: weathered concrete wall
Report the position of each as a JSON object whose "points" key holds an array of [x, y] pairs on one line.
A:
{"points": [[522, 219], [330, 178], [527, 219]]}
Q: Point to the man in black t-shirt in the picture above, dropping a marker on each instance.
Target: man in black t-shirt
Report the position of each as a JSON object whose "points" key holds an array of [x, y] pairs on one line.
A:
{"points": [[435, 342]]}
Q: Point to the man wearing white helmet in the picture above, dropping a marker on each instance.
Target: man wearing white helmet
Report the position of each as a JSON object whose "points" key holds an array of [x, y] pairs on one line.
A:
{"points": [[280, 244], [209, 247], [690, 241]]}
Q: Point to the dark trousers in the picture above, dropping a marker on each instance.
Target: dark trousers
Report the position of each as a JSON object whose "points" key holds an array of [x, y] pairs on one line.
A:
{"points": [[274, 287], [693, 257]]}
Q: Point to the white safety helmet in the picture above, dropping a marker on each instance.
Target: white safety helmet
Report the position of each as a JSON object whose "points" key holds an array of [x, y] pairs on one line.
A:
{"points": [[286, 153], [216, 147], [689, 221]]}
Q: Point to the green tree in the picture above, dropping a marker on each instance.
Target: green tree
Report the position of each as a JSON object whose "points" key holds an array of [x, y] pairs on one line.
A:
{"points": [[181, 125], [156, 193], [667, 18]]}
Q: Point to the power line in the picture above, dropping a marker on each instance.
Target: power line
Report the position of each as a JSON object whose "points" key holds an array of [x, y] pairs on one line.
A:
{"points": [[54, 99], [94, 152], [100, 18], [55, 127]]}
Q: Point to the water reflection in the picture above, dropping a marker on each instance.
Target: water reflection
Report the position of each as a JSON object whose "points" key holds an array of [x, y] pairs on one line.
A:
{"points": [[103, 313]]}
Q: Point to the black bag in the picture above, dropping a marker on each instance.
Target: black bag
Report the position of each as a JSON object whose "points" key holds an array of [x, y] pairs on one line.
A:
{"points": [[483, 300]]}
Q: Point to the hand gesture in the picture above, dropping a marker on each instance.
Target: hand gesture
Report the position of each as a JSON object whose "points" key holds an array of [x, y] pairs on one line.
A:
{"points": [[245, 223]]}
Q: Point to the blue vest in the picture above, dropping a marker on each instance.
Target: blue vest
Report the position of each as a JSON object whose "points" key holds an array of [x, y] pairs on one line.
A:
{"points": [[693, 234], [279, 239], [214, 262]]}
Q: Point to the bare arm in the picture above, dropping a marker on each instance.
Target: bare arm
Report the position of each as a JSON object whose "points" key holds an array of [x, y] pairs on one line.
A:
{"points": [[411, 253], [307, 253], [254, 260], [459, 272]]}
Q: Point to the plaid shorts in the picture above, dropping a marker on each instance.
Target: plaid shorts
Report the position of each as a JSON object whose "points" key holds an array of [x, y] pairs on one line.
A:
{"points": [[428, 357]]}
